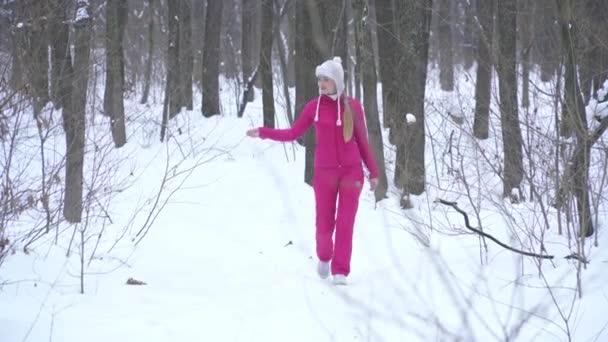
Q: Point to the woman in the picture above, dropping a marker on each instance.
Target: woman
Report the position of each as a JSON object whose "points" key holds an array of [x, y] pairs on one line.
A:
{"points": [[341, 147]]}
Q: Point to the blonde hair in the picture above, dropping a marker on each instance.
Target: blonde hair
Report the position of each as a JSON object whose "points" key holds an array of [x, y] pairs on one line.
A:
{"points": [[348, 120]]}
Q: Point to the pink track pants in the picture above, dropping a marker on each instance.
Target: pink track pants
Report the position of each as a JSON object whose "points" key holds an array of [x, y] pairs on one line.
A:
{"points": [[330, 184]]}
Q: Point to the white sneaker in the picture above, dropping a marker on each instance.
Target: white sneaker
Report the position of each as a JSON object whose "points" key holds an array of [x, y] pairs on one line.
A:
{"points": [[339, 279], [323, 269]]}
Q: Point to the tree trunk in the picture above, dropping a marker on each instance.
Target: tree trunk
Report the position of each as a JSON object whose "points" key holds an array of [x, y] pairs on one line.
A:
{"points": [[60, 55], [281, 51], [211, 57], [148, 72], [34, 49], [186, 57], [525, 14], [483, 85], [247, 8], [511, 131], [548, 39], [291, 46], [74, 119], [414, 18], [368, 73], [116, 20], [307, 57], [387, 45], [266, 62], [446, 53], [171, 105], [469, 30], [574, 113]]}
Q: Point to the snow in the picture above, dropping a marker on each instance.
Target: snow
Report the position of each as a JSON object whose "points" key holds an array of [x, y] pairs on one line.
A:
{"points": [[231, 257], [599, 107], [82, 12], [410, 118]]}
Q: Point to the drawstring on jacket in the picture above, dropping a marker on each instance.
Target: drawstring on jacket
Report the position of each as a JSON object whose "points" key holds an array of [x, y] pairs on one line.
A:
{"points": [[338, 122]]}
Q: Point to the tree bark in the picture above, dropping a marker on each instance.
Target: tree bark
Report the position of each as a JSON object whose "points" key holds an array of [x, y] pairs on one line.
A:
{"points": [[575, 109], [33, 46], [446, 53], [211, 57], [469, 30], [148, 71], [171, 105], [266, 62], [547, 40], [116, 20], [387, 46], [247, 8], [308, 55], [511, 131], [282, 52], [368, 73], [60, 55], [483, 84], [525, 30], [74, 119], [186, 57], [414, 18]]}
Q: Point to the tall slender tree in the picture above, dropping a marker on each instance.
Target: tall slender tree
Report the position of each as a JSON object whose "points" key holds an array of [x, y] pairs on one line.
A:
{"points": [[574, 114], [172, 102], [74, 118], [113, 103], [150, 53], [211, 59], [509, 117], [387, 46], [186, 57], [266, 62], [247, 10], [369, 81], [414, 21], [483, 84], [446, 51]]}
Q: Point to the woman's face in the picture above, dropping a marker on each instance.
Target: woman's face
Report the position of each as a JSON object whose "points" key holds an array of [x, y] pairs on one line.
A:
{"points": [[327, 86]]}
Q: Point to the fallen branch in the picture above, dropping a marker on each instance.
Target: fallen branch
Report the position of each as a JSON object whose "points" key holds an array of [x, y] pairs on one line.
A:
{"points": [[467, 224]]}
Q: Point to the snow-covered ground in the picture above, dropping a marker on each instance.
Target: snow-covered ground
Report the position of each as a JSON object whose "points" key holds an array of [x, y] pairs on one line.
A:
{"points": [[231, 255]]}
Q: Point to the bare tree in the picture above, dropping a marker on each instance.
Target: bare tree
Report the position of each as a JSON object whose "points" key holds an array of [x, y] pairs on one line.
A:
{"points": [[149, 61], [246, 40], [211, 59], [368, 73], [172, 103], [186, 57], [387, 47], [74, 118], [485, 15], [446, 59], [266, 62], [60, 55], [509, 118], [574, 113], [414, 20], [32, 44], [113, 102]]}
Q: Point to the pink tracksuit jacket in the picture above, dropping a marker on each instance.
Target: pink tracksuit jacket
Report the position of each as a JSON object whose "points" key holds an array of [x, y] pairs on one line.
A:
{"points": [[338, 173]]}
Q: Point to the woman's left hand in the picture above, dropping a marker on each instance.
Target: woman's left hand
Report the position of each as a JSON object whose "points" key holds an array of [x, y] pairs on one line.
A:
{"points": [[373, 184]]}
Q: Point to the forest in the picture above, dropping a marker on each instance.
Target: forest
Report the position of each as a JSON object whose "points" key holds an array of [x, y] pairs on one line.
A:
{"points": [[510, 97]]}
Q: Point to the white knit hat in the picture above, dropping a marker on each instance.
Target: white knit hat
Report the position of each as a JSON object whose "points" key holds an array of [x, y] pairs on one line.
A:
{"points": [[332, 68]]}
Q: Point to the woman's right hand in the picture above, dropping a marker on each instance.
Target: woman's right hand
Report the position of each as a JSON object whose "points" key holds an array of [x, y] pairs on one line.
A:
{"points": [[254, 133]]}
